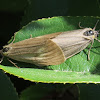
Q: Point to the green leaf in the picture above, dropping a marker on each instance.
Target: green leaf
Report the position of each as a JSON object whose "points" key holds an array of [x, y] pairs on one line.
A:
{"points": [[76, 69]]}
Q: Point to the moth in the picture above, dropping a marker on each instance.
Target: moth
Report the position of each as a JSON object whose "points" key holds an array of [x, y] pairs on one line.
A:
{"points": [[51, 49]]}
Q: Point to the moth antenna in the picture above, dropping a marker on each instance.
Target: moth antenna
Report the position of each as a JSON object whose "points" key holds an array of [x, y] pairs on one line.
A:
{"points": [[90, 49], [95, 25], [80, 25], [13, 63]]}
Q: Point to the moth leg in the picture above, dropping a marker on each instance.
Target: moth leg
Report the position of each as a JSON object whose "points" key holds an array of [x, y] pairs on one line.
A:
{"points": [[90, 49], [2, 56], [95, 25], [1, 59], [13, 63]]}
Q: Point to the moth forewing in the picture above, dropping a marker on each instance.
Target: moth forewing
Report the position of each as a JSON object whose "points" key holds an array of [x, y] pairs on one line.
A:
{"points": [[75, 41], [40, 51]]}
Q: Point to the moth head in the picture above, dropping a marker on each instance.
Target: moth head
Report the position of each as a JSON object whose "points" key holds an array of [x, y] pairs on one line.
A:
{"points": [[5, 50], [92, 32]]}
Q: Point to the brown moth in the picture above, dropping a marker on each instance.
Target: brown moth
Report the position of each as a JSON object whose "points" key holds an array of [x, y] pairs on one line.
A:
{"points": [[51, 49]]}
